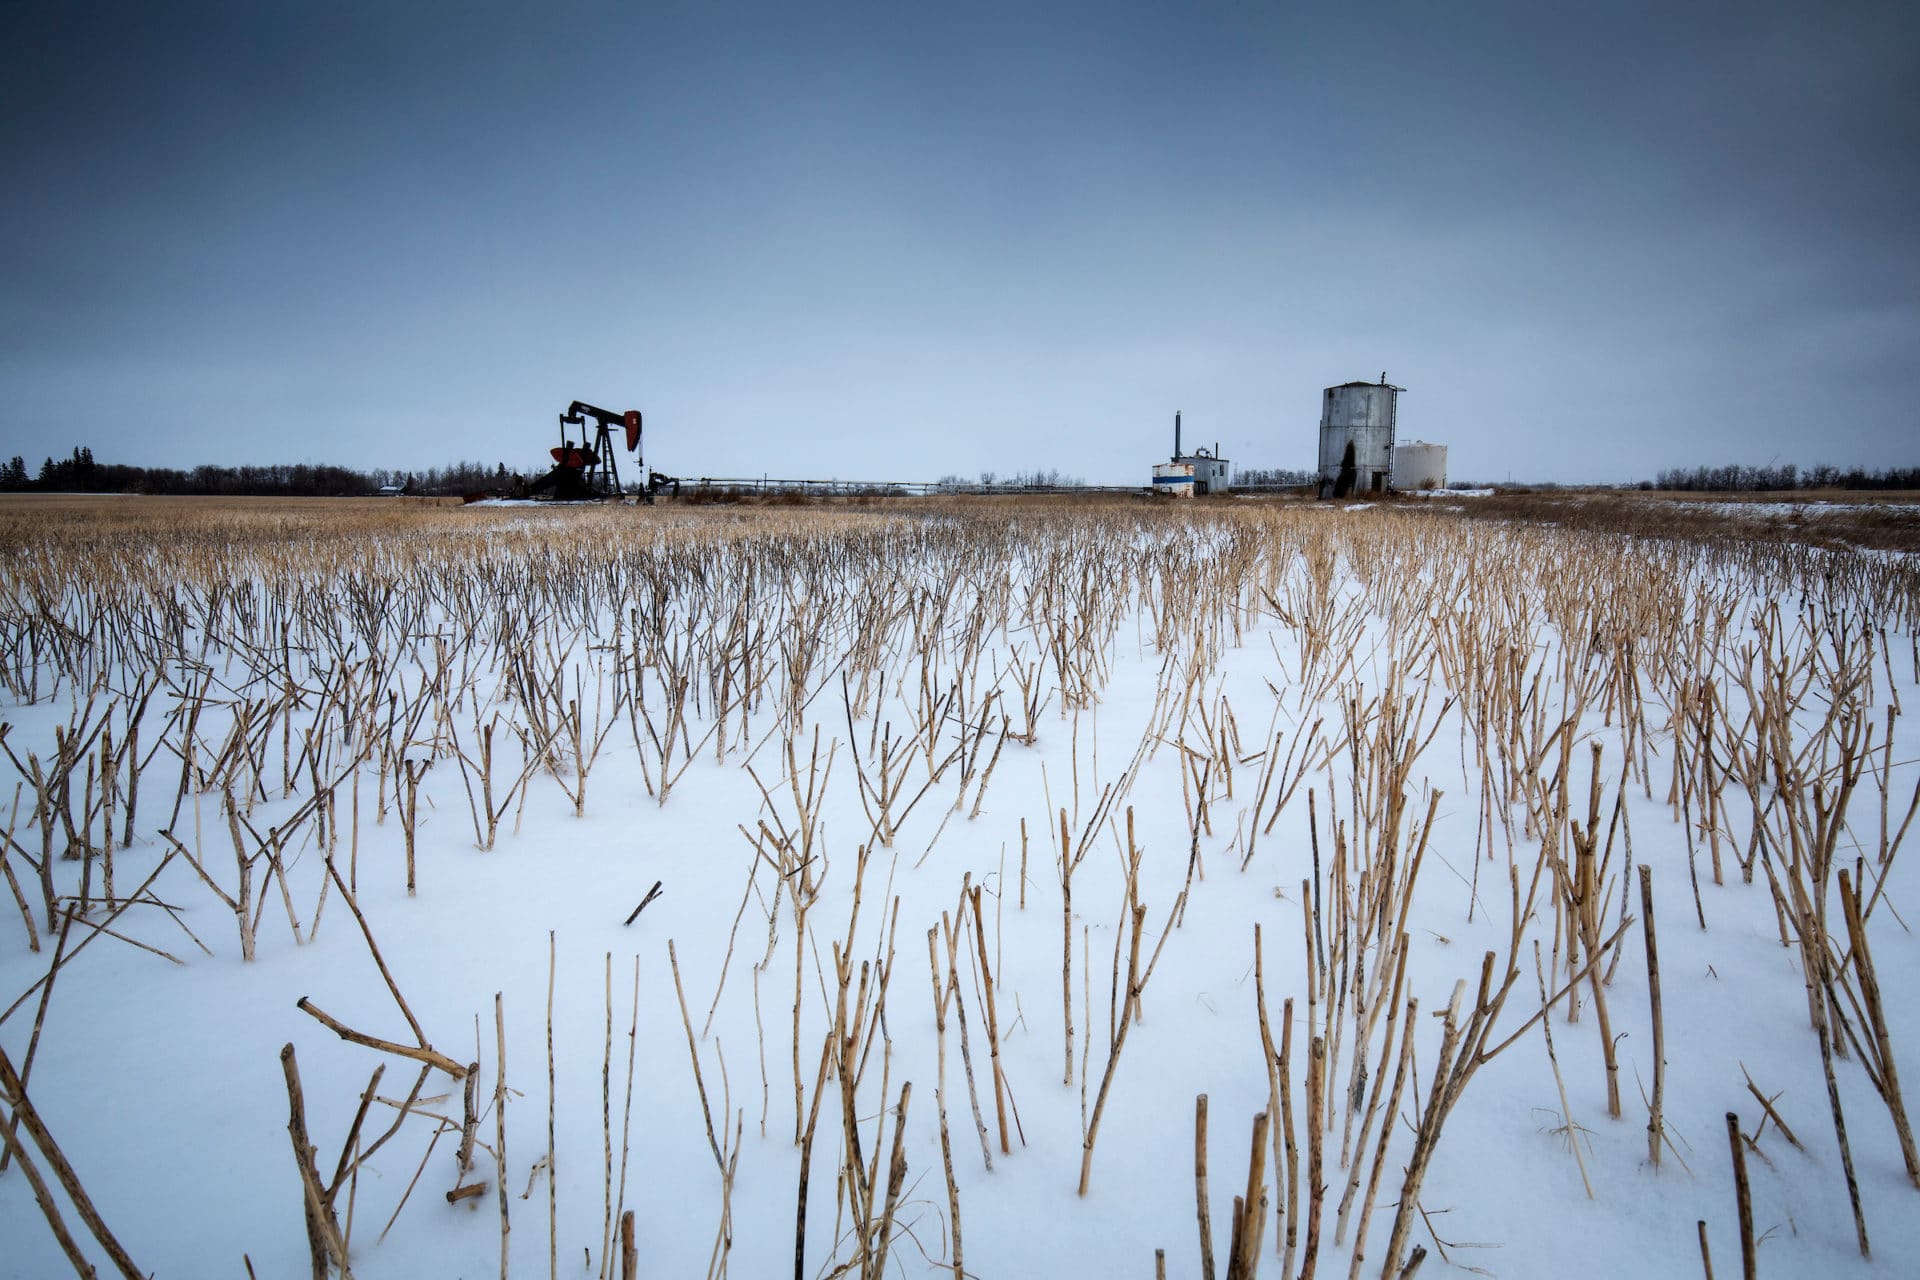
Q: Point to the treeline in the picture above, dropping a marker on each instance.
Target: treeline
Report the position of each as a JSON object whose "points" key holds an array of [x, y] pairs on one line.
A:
{"points": [[1736, 478], [1038, 478], [1272, 478], [1054, 478], [80, 473]]}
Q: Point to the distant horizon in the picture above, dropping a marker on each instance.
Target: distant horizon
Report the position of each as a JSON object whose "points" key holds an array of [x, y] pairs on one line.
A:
{"points": [[1804, 472], [1892, 462]]}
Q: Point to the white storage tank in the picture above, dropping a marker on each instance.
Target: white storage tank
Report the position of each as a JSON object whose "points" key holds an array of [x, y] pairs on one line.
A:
{"points": [[1419, 465], [1356, 438]]}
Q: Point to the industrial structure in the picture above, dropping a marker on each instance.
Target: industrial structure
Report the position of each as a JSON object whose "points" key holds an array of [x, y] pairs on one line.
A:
{"points": [[1195, 474], [588, 471], [1356, 438], [1359, 455], [1419, 465]]}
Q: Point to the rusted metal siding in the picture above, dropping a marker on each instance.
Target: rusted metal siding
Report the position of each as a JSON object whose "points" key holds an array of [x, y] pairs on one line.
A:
{"points": [[1364, 415]]}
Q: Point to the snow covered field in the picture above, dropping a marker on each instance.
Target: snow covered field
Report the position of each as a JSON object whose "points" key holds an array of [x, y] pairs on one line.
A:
{"points": [[987, 836], [1812, 509]]}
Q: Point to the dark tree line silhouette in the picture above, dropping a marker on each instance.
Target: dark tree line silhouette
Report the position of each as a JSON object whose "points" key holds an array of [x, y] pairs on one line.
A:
{"points": [[80, 473], [1736, 478], [1272, 477]]}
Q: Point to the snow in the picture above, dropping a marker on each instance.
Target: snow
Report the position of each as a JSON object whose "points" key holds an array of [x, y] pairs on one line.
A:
{"points": [[1791, 510], [162, 1082]]}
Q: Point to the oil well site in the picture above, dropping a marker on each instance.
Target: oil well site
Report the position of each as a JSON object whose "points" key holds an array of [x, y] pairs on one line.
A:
{"points": [[1359, 455], [975, 642]]}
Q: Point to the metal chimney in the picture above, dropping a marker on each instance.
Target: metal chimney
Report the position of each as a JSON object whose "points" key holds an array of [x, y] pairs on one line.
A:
{"points": [[1176, 433]]}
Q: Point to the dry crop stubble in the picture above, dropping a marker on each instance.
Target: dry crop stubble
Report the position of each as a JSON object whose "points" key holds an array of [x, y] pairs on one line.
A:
{"points": [[808, 676]]}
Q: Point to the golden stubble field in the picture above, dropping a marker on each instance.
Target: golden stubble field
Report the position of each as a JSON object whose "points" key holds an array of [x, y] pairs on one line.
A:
{"points": [[1533, 870]]}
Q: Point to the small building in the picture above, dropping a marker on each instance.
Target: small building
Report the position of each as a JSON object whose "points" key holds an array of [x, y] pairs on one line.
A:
{"points": [[1195, 474], [1419, 465], [1357, 421]]}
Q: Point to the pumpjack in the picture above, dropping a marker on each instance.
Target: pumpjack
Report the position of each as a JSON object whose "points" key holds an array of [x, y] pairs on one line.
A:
{"points": [[588, 471]]}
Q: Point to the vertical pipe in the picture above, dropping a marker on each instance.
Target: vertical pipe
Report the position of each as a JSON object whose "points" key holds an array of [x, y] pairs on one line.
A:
{"points": [[1176, 435]]}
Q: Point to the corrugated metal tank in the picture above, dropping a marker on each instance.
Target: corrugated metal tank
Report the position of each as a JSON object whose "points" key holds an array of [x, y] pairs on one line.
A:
{"points": [[1361, 415], [1419, 465]]}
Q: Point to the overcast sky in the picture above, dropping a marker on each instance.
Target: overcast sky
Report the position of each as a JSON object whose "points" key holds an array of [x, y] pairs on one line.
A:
{"points": [[902, 240]]}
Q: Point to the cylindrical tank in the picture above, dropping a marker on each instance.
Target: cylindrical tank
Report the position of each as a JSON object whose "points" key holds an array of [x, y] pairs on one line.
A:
{"points": [[1356, 430], [1419, 465]]}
